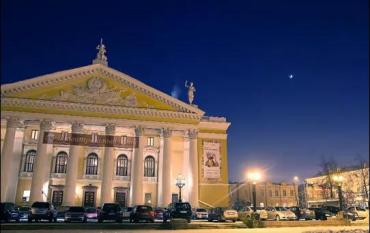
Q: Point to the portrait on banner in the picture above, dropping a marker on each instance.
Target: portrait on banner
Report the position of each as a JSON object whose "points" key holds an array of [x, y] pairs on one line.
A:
{"points": [[211, 158]]}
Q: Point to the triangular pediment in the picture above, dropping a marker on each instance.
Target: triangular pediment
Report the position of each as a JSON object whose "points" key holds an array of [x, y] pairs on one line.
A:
{"points": [[95, 85]]}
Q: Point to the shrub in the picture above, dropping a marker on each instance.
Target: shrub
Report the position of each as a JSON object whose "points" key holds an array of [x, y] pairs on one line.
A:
{"points": [[252, 221]]}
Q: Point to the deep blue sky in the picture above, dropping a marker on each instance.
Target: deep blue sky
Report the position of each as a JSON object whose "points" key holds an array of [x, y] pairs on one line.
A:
{"points": [[239, 55]]}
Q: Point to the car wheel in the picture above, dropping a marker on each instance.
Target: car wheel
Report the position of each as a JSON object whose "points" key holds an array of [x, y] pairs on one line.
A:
{"points": [[100, 220], [29, 219], [277, 218], [234, 220], [50, 219]]}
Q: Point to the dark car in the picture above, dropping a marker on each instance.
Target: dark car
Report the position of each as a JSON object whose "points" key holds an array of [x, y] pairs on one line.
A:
{"points": [[322, 214], [42, 210], [179, 210], [24, 211], [332, 209], [110, 211], [9, 212], [303, 213], [159, 213], [91, 213], [142, 212], [75, 213]]}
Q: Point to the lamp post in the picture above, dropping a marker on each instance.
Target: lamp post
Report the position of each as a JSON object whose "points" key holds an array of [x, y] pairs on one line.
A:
{"points": [[295, 181], [180, 183], [338, 179], [254, 177]]}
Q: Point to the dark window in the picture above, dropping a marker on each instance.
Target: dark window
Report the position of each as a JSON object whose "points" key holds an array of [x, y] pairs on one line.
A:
{"points": [[121, 198], [28, 162], [92, 164], [122, 165], [284, 193], [61, 163], [89, 200], [149, 166], [276, 193], [57, 198]]}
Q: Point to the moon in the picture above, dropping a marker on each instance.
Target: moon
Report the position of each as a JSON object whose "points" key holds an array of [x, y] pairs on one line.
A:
{"points": [[291, 76]]}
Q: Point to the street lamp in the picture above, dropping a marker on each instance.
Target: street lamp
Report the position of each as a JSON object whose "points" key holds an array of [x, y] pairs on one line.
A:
{"points": [[180, 183], [254, 177], [338, 179], [295, 181]]}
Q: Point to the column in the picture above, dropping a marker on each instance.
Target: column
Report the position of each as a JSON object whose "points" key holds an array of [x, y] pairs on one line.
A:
{"points": [[193, 171], [160, 172], [166, 181], [106, 188], [138, 173], [75, 152], [41, 168], [11, 159]]}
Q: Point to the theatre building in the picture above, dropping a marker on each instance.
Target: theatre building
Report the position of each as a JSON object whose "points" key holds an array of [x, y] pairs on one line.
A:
{"points": [[93, 134]]}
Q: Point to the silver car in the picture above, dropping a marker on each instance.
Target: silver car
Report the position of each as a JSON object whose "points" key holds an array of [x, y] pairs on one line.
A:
{"points": [[42, 210], [280, 213]]}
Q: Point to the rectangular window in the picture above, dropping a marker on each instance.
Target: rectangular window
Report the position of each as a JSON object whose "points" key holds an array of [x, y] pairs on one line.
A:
{"points": [[148, 199], [276, 193], [89, 200], [284, 193], [65, 136], [121, 198], [124, 140], [291, 192], [34, 134], [57, 198], [150, 141]]}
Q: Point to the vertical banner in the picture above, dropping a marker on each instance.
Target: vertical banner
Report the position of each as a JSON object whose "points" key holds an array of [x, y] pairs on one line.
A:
{"points": [[211, 158]]}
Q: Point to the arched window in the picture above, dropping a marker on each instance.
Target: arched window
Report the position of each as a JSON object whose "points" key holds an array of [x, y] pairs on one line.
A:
{"points": [[122, 165], [61, 162], [92, 164], [149, 166], [28, 162]]}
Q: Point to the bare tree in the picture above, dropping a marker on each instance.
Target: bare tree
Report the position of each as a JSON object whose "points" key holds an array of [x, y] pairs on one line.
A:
{"points": [[364, 167], [328, 168]]}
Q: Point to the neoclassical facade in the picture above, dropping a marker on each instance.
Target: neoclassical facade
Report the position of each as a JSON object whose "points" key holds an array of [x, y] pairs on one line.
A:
{"points": [[92, 134]]}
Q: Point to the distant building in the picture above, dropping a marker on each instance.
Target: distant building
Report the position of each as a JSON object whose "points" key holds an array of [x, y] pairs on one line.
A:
{"points": [[267, 194], [355, 189]]}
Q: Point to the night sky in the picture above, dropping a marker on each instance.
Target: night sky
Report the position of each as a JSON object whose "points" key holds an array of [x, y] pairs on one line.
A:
{"points": [[239, 54]]}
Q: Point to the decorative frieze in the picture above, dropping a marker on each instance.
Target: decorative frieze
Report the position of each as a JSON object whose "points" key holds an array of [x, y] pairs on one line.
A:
{"points": [[167, 132], [47, 125], [193, 133]]}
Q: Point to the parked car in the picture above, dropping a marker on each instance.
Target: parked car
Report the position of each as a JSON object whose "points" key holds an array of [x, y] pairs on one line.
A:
{"points": [[358, 212], [9, 212], [245, 212], [200, 213], [332, 209], [110, 211], [303, 213], [322, 214], [42, 210], [91, 213], [126, 212], [159, 213], [263, 215], [280, 213], [75, 213], [178, 210], [221, 214], [142, 212], [24, 211]]}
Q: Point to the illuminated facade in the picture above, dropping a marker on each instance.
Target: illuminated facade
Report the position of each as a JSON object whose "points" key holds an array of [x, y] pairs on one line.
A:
{"points": [[91, 135]]}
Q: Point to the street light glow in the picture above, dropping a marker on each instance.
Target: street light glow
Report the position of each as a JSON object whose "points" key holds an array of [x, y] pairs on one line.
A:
{"points": [[338, 178], [254, 176], [295, 178]]}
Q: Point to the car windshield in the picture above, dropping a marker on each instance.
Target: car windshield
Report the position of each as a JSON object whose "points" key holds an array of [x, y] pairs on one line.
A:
{"points": [[144, 208], [76, 209], [201, 210], [281, 209], [182, 206], [24, 209], [43, 205], [91, 210], [111, 207]]}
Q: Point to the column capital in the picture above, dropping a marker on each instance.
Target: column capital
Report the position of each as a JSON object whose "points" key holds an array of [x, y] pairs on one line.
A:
{"points": [[77, 127], [139, 131], [110, 129], [167, 132], [46, 125], [193, 133], [14, 122]]}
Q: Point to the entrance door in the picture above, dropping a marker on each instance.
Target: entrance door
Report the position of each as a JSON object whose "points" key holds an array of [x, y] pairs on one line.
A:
{"points": [[89, 200], [175, 197], [121, 198]]}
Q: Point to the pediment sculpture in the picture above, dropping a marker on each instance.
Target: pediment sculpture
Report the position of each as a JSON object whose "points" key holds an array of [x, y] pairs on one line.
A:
{"points": [[97, 92]]}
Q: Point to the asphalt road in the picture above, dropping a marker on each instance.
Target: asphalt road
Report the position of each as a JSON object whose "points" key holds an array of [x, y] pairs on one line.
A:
{"points": [[259, 230]]}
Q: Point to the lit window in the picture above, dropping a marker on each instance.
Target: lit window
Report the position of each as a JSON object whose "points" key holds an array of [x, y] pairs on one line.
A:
{"points": [[61, 163], [29, 160], [284, 193], [34, 134], [149, 166], [26, 195], [122, 165], [150, 141], [92, 164], [124, 140], [276, 193], [148, 199]]}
